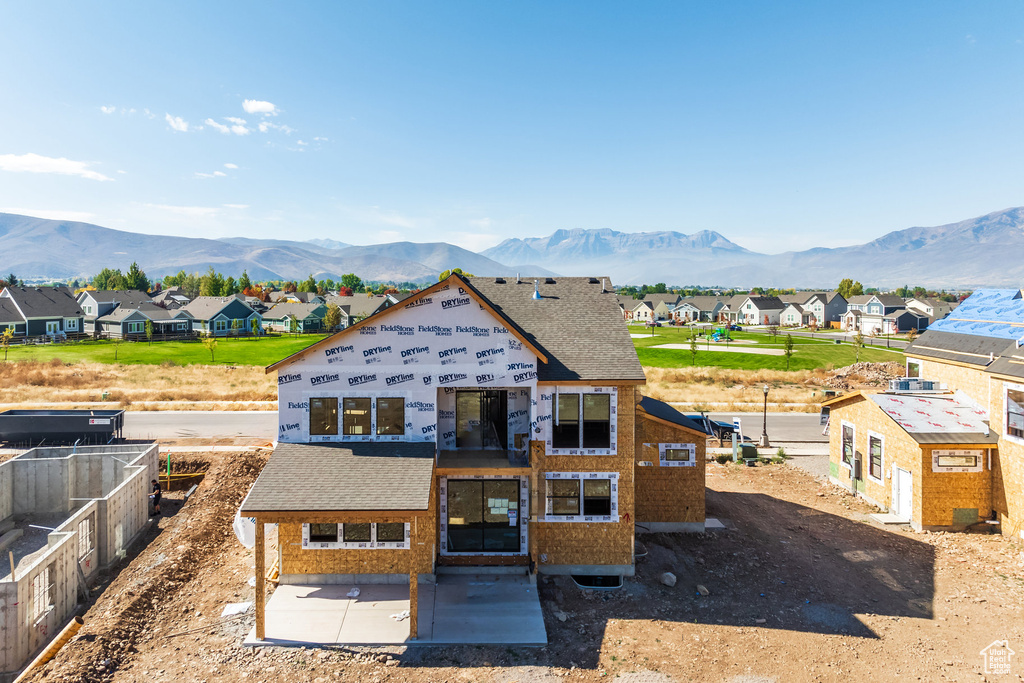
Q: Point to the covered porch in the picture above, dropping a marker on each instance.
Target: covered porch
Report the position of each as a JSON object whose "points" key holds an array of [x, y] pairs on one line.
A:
{"points": [[461, 609]]}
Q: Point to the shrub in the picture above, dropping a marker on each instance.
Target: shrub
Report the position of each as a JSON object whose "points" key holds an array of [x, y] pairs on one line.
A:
{"points": [[723, 458]]}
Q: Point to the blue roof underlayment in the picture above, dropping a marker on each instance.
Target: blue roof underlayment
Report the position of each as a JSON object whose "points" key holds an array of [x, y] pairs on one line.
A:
{"points": [[995, 313]]}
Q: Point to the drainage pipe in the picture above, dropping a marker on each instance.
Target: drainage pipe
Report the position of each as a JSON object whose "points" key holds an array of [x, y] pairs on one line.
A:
{"points": [[46, 655]]}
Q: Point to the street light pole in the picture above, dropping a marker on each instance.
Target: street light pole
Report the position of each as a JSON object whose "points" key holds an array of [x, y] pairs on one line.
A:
{"points": [[764, 424]]}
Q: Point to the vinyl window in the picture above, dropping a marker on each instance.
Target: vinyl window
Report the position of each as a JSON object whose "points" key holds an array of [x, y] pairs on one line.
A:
{"points": [[356, 418], [847, 444], [323, 416], [597, 497], [220, 326], [323, 533], [355, 535], [390, 416], [875, 455], [563, 497], [582, 496], [582, 420], [677, 454], [1015, 413]]}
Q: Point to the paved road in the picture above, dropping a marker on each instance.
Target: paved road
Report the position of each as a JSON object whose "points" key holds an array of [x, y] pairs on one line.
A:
{"points": [[782, 427], [200, 424], [868, 341]]}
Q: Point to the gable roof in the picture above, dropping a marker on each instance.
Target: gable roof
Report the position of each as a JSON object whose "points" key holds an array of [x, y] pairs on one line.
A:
{"points": [[890, 300], [45, 302], [206, 307], [300, 311], [357, 304], [796, 307], [987, 312], [860, 299], [766, 302], [422, 294], [9, 312], [344, 477], [952, 418], [117, 296], [703, 303], [656, 298], [643, 304], [147, 310], [663, 411]]}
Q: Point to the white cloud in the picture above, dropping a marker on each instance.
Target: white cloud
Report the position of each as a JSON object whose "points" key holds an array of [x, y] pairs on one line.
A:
{"points": [[319, 139], [264, 126], [51, 214], [237, 206], [121, 172], [108, 110], [235, 120], [215, 174], [187, 211], [177, 123], [259, 107], [219, 126], [231, 166], [36, 163], [219, 174], [303, 144]]}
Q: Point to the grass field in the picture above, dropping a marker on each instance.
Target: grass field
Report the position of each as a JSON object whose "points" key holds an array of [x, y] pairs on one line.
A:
{"points": [[808, 354], [228, 351]]}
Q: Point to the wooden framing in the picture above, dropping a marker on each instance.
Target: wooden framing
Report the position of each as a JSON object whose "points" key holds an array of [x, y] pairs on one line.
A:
{"points": [[261, 589]]}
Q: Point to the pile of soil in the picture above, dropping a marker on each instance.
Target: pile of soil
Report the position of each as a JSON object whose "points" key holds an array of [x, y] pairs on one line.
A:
{"points": [[861, 375]]}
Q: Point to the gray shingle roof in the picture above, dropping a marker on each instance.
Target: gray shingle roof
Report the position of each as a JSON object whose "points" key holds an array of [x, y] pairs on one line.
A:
{"points": [[8, 312], [46, 302], [576, 325], [119, 296], [964, 348], [205, 307], [300, 311], [149, 310], [357, 305], [344, 477], [664, 411]]}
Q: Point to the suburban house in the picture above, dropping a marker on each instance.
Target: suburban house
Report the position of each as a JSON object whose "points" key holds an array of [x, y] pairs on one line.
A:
{"points": [[222, 316], [97, 303], [698, 309], [642, 312], [756, 310], [935, 309], [626, 303], [10, 318], [481, 422], [44, 311], [881, 314], [172, 297], [129, 322], [795, 315], [945, 447], [825, 307], [308, 317], [357, 306], [731, 311], [297, 297]]}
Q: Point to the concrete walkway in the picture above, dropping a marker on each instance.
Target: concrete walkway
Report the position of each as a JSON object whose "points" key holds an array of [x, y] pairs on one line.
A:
{"points": [[726, 349], [459, 610]]}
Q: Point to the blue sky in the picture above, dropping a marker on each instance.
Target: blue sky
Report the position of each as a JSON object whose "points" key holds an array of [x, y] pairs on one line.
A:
{"points": [[780, 125]]}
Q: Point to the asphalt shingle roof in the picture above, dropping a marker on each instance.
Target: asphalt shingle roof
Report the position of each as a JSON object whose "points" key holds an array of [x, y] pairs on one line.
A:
{"points": [[300, 311], [205, 307], [123, 297], [664, 411], [8, 312], [357, 305], [46, 302], [574, 323], [964, 348], [344, 477]]}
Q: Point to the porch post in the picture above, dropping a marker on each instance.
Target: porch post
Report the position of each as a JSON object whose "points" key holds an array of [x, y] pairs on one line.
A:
{"points": [[414, 604], [261, 575]]}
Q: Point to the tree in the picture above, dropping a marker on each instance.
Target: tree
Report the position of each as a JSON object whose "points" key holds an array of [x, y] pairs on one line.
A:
{"points": [[149, 332], [308, 285], [289, 287], [344, 291], [236, 325], [332, 319], [440, 277], [190, 285], [244, 282], [5, 341], [210, 342], [773, 331], [912, 335], [848, 288], [230, 286], [293, 324], [858, 344], [254, 325], [211, 284], [788, 349], [693, 348], [105, 279], [813, 325], [12, 280], [136, 279]]}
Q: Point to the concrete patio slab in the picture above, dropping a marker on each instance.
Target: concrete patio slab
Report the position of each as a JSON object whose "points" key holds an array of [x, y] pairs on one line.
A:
{"points": [[460, 609]]}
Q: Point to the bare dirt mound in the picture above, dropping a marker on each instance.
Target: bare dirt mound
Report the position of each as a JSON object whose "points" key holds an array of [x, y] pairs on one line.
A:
{"points": [[860, 375], [188, 541]]}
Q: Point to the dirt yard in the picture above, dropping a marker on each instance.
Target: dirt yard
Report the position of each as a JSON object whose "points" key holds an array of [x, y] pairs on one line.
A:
{"points": [[799, 587]]}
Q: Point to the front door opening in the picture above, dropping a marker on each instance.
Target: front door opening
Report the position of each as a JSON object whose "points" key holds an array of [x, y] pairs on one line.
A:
{"points": [[483, 516], [481, 419]]}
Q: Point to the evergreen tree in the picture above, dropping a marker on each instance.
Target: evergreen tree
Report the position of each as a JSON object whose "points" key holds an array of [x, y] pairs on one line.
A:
{"points": [[136, 278], [244, 282]]}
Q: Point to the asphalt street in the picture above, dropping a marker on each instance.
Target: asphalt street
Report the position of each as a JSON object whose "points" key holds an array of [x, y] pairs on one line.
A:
{"points": [[196, 424]]}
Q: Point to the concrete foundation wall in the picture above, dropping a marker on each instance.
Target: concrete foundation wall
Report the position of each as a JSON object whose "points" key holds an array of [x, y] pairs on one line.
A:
{"points": [[6, 492]]}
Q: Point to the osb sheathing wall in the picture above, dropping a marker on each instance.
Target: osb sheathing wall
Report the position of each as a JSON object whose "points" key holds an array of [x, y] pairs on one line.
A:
{"points": [[974, 382], [667, 494], [935, 494], [581, 543], [1007, 466], [418, 558]]}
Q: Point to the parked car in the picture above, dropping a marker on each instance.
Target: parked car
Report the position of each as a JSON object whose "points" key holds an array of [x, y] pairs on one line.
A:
{"points": [[735, 328]]}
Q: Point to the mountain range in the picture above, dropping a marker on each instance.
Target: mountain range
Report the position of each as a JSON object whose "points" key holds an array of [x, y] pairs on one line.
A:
{"points": [[982, 251]]}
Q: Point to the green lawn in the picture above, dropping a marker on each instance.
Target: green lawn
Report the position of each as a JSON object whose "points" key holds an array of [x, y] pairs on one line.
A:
{"points": [[808, 354], [228, 351]]}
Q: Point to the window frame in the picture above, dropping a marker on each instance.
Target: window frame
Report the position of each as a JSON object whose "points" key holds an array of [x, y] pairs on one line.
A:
{"points": [[665, 461], [582, 477], [369, 417], [554, 417], [373, 544], [842, 444], [875, 436], [1017, 389], [43, 589], [377, 413], [310, 415], [220, 325], [86, 537]]}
